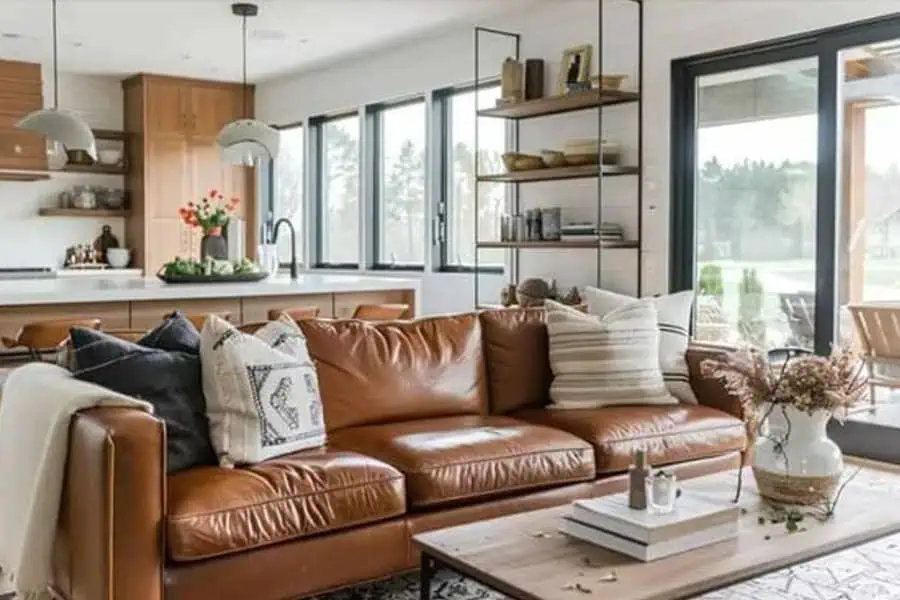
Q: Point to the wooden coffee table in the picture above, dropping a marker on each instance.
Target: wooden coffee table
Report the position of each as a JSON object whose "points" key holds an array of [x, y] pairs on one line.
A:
{"points": [[526, 558]]}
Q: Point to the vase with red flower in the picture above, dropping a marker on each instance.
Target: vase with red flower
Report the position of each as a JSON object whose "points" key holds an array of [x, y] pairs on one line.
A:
{"points": [[210, 215]]}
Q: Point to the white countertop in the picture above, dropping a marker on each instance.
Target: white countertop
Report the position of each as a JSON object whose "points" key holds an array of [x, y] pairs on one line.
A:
{"points": [[71, 290]]}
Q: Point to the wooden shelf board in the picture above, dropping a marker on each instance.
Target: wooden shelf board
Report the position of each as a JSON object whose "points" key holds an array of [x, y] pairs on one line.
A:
{"points": [[555, 105], [23, 176], [83, 212], [559, 173], [591, 244], [109, 134], [96, 169]]}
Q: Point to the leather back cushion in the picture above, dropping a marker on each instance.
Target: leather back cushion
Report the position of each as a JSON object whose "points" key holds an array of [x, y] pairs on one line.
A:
{"points": [[516, 354], [394, 371]]}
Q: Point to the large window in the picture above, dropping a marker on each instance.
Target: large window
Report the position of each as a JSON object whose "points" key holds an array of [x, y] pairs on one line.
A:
{"points": [[287, 188], [756, 204], [339, 227], [460, 170], [400, 186]]}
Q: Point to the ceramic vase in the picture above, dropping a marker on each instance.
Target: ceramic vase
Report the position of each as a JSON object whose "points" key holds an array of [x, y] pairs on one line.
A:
{"points": [[794, 460], [213, 245]]}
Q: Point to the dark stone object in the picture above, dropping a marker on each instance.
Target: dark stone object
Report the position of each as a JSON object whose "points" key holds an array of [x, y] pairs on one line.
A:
{"points": [[534, 78]]}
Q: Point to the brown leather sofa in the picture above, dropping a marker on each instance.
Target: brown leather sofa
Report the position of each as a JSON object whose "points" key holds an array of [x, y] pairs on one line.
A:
{"points": [[432, 423]]}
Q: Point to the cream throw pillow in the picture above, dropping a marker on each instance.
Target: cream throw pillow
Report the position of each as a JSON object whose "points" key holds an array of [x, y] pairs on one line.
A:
{"points": [[674, 321], [605, 362], [262, 394]]}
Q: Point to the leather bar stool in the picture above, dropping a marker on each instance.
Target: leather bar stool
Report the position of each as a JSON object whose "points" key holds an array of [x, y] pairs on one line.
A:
{"points": [[39, 336], [298, 313], [198, 319], [381, 312]]}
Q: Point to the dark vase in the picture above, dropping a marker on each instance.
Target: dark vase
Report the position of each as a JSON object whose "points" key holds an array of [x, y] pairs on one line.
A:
{"points": [[213, 244]]}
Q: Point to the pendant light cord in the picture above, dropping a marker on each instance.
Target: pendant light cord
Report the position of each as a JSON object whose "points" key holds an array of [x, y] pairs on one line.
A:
{"points": [[55, 61], [244, 89]]}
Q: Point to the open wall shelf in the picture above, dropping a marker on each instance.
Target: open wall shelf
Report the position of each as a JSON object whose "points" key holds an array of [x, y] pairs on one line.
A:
{"points": [[555, 105], [518, 115]]}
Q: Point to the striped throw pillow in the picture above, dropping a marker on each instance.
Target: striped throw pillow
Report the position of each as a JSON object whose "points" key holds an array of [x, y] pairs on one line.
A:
{"points": [[605, 362], [674, 319]]}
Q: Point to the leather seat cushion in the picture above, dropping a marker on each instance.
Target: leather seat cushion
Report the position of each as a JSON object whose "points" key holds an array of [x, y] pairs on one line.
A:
{"points": [[214, 511], [453, 459], [669, 434]]}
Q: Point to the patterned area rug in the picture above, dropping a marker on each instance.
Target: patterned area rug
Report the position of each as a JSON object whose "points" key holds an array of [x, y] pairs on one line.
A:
{"points": [[868, 572]]}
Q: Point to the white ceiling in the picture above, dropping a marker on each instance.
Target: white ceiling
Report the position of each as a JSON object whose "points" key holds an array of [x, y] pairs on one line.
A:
{"points": [[201, 38]]}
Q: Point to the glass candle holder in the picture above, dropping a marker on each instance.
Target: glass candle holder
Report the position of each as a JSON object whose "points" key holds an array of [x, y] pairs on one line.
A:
{"points": [[662, 490]]}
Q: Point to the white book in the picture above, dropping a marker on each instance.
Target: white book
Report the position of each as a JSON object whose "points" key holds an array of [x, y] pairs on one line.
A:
{"points": [[648, 552], [612, 513]]}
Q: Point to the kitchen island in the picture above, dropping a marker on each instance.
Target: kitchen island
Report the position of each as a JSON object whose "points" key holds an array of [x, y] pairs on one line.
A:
{"points": [[141, 303]]}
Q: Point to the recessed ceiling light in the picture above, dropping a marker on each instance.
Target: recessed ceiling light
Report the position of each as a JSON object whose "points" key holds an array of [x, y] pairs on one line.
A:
{"points": [[303, 41], [11, 36], [78, 44], [268, 35]]}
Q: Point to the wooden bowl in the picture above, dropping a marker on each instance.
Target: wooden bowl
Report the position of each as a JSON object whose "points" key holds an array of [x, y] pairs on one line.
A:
{"points": [[578, 160], [516, 161], [553, 158], [608, 82]]}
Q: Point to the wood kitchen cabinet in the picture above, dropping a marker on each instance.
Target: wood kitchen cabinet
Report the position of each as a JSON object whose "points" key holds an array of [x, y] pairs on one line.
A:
{"points": [[20, 93], [176, 159]]}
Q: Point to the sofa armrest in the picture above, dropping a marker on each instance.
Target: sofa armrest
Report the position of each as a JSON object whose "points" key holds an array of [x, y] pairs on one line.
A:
{"points": [[709, 391], [109, 543]]}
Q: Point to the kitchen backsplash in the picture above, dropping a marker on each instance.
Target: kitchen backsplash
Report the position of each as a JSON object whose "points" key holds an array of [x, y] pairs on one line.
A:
{"points": [[27, 240]]}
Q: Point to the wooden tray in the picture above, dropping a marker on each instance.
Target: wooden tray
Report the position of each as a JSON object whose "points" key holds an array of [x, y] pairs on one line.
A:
{"points": [[236, 278]]}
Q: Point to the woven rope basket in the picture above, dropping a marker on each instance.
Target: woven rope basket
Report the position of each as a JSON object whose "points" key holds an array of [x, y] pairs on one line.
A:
{"points": [[792, 489]]}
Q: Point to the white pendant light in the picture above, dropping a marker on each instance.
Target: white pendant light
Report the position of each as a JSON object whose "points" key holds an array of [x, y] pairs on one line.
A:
{"points": [[64, 129], [247, 141]]}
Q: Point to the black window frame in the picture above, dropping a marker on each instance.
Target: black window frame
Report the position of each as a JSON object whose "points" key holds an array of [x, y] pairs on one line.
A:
{"points": [[317, 133], [824, 44], [375, 154], [443, 119]]}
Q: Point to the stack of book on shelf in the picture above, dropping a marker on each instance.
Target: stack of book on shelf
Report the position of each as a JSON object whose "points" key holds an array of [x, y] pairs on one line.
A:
{"points": [[611, 233], [578, 232], [609, 522]]}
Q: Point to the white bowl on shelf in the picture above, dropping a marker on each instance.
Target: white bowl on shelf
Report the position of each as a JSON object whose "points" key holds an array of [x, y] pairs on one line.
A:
{"points": [[109, 157], [118, 258]]}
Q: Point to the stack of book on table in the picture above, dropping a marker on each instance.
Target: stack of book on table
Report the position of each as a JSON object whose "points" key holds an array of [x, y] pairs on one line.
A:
{"points": [[609, 522]]}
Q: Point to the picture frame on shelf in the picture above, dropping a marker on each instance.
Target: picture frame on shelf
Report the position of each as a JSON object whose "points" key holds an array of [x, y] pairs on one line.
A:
{"points": [[575, 68]]}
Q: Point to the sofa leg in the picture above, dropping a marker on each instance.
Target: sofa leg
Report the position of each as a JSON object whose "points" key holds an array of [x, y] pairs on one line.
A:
{"points": [[426, 572]]}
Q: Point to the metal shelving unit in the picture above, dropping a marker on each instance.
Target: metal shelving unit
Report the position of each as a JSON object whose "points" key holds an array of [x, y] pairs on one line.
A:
{"points": [[555, 105]]}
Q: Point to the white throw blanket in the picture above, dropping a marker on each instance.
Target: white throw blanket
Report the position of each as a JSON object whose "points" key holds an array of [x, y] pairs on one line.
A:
{"points": [[37, 404]]}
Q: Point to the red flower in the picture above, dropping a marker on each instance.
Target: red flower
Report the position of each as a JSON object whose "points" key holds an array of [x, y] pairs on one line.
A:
{"points": [[221, 197], [235, 201], [191, 204], [213, 193]]}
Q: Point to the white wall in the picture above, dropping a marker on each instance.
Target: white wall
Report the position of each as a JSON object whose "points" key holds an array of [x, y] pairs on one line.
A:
{"points": [[27, 240], [673, 29]]}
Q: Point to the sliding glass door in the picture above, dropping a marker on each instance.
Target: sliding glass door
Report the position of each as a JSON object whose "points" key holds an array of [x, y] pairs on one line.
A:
{"points": [[786, 185], [755, 204]]}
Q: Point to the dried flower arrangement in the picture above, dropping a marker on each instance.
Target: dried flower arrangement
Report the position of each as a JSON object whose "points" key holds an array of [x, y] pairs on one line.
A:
{"points": [[764, 382], [806, 382]]}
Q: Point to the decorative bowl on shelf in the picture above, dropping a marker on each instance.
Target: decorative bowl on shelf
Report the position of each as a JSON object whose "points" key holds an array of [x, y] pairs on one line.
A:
{"points": [[109, 157], [516, 161], [118, 258], [608, 82], [553, 158]]}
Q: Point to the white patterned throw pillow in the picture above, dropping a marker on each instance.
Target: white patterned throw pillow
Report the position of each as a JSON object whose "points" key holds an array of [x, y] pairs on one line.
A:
{"points": [[605, 362], [262, 393], [674, 320]]}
